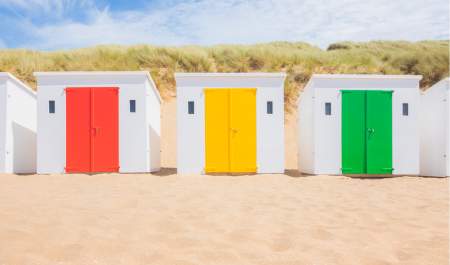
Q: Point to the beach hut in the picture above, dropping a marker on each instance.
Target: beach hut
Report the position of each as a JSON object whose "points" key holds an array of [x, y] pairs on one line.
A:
{"points": [[359, 125], [435, 130], [17, 126], [230, 123], [97, 122]]}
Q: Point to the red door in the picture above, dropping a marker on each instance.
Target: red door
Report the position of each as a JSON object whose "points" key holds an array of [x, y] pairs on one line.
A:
{"points": [[92, 130]]}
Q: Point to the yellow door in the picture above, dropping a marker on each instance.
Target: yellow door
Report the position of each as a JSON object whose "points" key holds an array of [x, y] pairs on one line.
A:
{"points": [[217, 130], [243, 130], [230, 130]]}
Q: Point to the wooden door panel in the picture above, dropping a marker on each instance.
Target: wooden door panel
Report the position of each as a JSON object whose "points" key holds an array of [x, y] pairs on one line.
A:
{"points": [[105, 130], [78, 130]]}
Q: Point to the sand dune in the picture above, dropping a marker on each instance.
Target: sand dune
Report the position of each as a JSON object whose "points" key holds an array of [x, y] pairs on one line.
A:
{"points": [[261, 219]]}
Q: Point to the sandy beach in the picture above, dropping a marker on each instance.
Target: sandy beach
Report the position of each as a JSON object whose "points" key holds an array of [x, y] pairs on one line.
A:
{"points": [[164, 218]]}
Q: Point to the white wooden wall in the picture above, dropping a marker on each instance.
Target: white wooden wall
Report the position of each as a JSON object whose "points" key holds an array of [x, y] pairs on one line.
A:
{"points": [[17, 128], [306, 138], [134, 143], [435, 134], [327, 129], [153, 127], [2, 125], [191, 127]]}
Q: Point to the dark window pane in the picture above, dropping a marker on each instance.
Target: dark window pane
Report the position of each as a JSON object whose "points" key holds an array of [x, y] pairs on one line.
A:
{"points": [[51, 106], [191, 107], [269, 107], [132, 105], [327, 108], [405, 109]]}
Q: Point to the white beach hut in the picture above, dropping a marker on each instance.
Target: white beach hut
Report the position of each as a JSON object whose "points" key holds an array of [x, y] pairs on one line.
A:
{"points": [[97, 122], [17, 126], [435, 130], [359, 125], [230, 122]]}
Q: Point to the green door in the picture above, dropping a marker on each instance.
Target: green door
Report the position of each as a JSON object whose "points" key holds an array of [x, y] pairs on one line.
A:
{"points": [[379, 132], [366, 132], [353, 132]]}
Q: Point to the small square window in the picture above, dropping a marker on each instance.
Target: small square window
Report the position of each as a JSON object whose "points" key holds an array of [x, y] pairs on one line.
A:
{"points": [[328, 108], [190, 107], [269, 107], [51, 106], [405, 109], [132, 105]]}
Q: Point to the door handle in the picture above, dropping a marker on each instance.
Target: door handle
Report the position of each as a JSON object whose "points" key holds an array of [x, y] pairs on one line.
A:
{"points": [[95, 131], [234, 130], [370, 131]]}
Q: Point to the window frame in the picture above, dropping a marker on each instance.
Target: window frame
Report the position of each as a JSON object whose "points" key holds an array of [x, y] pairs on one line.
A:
{"points": [[269, 107], [328, 109], [191, 107], [405, 109], [51, 106]]}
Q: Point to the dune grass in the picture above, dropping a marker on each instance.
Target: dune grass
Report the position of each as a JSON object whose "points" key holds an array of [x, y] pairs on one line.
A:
{"points": [[299, 60]]}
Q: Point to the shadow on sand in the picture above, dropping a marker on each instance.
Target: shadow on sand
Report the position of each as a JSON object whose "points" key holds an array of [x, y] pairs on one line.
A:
{"points": [[165, 171]]}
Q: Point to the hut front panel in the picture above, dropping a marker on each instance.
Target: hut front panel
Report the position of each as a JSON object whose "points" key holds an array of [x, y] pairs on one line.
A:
{"points": [[405, 128], [133, 126], [191, 127]]}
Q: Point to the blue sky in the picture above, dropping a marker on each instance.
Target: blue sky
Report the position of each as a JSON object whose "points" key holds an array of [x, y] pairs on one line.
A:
{"points": [[66, 24]]}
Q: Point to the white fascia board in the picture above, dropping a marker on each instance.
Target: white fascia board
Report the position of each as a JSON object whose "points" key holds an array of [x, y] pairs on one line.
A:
{"points": [[111, 74], [186, 80], [245, 75], [364, 76], [7, 76]]}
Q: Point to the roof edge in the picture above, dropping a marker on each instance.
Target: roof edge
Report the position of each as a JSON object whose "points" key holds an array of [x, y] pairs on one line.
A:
{"points": [[24, 86], [94, 73], [251, 74], [71, 73], [364, 76]]}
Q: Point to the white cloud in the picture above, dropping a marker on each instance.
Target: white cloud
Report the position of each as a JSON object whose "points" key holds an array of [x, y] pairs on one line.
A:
{"points": [[244, 21], [55, 8]]}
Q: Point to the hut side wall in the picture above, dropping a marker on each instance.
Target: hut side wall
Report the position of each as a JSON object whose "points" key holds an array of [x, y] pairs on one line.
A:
{"points": [[3, 121], [434, 137], [306, 132]]}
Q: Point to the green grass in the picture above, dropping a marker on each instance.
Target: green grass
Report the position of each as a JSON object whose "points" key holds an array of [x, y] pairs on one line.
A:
{"points": [[299, 60]]}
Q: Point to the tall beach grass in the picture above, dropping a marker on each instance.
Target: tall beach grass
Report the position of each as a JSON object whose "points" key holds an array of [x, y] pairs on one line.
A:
{"points": [[298, 59]]}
